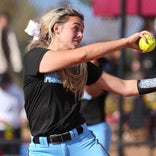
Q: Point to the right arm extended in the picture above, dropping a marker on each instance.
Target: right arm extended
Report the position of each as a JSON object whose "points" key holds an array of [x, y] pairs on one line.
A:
{"points": [[57, 60]]}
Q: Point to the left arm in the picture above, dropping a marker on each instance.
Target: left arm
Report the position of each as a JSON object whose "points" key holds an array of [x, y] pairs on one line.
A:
{"points": [[116, 85]]}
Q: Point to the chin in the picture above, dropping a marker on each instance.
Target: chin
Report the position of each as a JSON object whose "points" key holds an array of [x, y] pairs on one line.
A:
{"points": [[76, 46], [73, 47]]}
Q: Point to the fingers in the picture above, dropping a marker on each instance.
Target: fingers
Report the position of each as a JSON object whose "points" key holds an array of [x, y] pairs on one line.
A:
{"points": [[133, 40], [142, 33]]}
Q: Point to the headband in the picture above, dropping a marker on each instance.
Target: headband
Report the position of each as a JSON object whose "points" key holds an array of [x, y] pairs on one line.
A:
{"points": [[33, 29]]}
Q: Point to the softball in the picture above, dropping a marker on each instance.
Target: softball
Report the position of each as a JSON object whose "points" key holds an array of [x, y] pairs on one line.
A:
{"points": [[147, 46]]}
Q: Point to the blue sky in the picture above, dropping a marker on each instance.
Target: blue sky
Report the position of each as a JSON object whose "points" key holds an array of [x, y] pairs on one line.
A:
{"points": [[45, 4]]}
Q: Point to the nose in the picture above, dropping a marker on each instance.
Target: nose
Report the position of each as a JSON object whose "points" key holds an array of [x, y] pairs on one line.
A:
{"points": [[80, 34]]}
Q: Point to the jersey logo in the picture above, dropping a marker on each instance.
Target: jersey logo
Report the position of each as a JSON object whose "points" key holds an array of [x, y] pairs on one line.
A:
{"points": [[52, 78], [86, 96]]}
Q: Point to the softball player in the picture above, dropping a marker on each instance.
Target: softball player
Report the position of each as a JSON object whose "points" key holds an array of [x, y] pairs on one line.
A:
{"points": [[55, 72]]}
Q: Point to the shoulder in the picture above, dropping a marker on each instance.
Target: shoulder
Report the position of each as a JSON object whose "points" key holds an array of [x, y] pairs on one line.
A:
{"points": [[32, 60], [34, 52], [37, 49]]}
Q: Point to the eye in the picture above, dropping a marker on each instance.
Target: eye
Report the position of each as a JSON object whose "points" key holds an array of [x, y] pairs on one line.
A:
{"points": [[76, 29]]}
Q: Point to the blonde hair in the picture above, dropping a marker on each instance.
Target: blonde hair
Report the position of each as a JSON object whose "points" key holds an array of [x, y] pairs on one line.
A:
{"points": [[74, 78], [47, 23]]}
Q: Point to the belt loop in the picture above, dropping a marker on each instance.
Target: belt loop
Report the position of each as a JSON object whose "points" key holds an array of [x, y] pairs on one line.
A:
{"points": [[31, 137], [43, 142], [73, 133], [84, 126]]}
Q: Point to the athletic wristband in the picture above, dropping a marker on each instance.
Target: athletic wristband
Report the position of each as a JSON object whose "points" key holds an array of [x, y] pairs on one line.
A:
{"points": [[146, 86]]}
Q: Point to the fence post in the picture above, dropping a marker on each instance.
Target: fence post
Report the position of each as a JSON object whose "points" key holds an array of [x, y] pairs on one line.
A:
{"points": [[121, 74]]}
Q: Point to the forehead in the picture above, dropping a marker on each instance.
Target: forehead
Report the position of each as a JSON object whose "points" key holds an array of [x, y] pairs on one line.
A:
{"points": [[76, 20]]}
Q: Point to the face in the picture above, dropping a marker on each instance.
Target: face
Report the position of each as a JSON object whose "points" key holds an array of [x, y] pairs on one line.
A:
{"points": [[3, 22], [70, 34]]}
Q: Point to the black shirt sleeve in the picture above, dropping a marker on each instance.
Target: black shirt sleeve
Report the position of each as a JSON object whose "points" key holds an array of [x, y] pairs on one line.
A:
{"points": [[93, 73], [32, 60]]}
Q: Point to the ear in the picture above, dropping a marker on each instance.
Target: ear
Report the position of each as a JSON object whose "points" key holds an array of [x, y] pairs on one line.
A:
{"points": [[56, 28]]}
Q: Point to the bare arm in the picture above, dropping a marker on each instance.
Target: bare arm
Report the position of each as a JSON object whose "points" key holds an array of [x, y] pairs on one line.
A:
{"points": [[117, 85], [57, 60]]}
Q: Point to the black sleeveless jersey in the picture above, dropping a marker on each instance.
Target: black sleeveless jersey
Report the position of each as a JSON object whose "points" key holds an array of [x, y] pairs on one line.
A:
{"points": [[50, 108]]}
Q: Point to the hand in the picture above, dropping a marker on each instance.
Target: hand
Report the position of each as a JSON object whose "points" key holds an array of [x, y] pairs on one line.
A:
{"points": [[133, 39]]}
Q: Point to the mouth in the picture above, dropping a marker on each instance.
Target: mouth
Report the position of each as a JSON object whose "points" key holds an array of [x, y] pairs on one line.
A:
{"points": [[76, 42]]}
